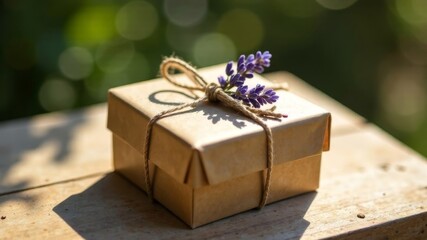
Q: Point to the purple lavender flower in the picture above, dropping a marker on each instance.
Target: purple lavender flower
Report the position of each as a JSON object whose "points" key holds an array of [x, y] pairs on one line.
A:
{"points": [[229, 69], [237, 80], [240, 93], [259, 96], [246, 66], [222, 81]]}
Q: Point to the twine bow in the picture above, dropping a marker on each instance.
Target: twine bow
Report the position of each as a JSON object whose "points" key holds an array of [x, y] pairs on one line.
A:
{"points": [[213, 93]]}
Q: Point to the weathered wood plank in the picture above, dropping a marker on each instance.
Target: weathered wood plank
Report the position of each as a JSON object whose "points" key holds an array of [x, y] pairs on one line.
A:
{"points": [[366, 172], [53, 147], [58, 147], [370, 149]]}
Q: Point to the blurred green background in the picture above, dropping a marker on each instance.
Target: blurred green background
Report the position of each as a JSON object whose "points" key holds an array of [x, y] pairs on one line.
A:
{"points": [[369, 55]]}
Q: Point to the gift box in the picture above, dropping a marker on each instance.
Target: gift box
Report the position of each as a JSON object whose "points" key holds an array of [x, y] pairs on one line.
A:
{"points": [[209, 161]]}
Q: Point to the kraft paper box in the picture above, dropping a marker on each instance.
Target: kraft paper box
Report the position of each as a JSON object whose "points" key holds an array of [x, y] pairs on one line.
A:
{"points": [[209, 162]]}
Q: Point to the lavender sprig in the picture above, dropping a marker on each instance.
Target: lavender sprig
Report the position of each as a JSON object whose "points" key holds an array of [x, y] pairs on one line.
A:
{"points": [[233, 84]]}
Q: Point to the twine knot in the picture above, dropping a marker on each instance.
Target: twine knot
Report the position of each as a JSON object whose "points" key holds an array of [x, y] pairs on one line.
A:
{"points": [[211, 92], [214, 93]]}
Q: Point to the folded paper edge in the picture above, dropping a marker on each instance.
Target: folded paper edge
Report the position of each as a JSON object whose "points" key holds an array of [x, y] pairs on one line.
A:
{"points": [[327, 136], [196, 172]]}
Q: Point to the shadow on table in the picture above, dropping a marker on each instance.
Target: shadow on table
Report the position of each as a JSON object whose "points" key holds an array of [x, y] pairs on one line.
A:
{"points": [[20, 140], [115, 208]]}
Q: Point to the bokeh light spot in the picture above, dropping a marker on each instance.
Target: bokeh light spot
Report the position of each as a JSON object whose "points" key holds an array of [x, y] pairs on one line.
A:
{"points": [[213, 48], [412, 11], [243, 27], [76, 63], [114, 56], [136, 20], [57, 94], [185, 13], [137, 69], [403, 96], [336, 4], [92, 25]]}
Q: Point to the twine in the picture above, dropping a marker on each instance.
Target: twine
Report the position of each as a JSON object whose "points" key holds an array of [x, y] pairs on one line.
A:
{"points": [[213, 93]]}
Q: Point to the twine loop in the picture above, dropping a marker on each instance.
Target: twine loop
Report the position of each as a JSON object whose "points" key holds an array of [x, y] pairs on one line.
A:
{"points": [[213, 93]]}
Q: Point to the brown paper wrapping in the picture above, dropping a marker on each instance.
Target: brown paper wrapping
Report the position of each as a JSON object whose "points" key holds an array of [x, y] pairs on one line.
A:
{"points": [[208, 162]]}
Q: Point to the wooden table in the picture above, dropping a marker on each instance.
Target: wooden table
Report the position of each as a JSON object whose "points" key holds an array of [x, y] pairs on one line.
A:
{"points": [[57, 181]]}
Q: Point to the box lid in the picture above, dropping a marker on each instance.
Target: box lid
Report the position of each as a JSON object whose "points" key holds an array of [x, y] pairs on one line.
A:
{"points": [[210, 143]]}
